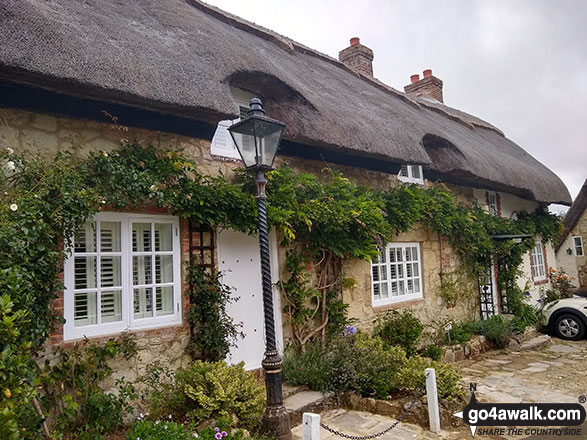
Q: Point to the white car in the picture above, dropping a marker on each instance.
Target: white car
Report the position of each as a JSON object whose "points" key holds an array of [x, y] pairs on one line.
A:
{"points": [[567, 317]]}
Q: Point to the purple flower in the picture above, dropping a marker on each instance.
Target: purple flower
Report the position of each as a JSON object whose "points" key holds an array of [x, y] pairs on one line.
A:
{"points": [[218, 436], [527, 293], [217, 429], [349, 330], [224, 433]]}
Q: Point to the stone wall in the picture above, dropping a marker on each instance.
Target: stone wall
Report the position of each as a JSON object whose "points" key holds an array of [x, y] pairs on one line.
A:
{"points": [[27, 131], [32, 132], [437, 257]]}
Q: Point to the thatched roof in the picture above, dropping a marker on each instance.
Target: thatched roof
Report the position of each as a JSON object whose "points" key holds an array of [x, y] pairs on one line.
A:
{"points": [[574, 213], [180, 57]]}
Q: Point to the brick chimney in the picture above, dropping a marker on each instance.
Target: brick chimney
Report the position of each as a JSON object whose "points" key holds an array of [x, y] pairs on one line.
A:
{"points": [[357, 57], [427, 87]]}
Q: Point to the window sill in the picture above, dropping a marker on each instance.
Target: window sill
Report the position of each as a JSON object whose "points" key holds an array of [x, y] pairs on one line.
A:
{"points": [[539, 282], [398, 305], [139, 333], [411, 180]]}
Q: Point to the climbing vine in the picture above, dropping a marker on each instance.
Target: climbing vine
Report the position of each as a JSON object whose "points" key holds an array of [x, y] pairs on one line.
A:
{"points": [[324, 221], [213, 330]]}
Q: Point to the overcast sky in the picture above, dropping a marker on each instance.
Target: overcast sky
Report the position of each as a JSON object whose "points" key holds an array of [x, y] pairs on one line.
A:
{"points": [[521, 65]]}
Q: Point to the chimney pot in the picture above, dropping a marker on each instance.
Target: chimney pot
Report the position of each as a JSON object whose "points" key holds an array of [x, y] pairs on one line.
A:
{"points": [[355, 41], [427, 73], [415, 78]]}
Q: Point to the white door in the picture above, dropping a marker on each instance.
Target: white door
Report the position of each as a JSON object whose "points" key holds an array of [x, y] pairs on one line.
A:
{"points": [[239, 262]]}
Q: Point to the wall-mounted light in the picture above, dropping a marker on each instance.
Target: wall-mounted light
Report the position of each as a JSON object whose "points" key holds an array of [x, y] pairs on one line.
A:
{"points": [[569, 251]]}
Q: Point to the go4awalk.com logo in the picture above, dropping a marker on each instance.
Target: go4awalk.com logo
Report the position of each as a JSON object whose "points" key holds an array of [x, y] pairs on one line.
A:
{"points": [[507, 418]]}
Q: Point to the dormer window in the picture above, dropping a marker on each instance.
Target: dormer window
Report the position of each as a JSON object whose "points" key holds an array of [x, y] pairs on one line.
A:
{"points": [[222, 144], [411, 174]]}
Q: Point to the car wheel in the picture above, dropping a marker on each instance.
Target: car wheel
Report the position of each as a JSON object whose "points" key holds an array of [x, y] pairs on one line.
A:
{"points": [[569, 327]]}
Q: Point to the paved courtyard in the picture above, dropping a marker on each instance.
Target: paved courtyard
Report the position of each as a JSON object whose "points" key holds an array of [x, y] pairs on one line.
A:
{"points": [[557, 373]]}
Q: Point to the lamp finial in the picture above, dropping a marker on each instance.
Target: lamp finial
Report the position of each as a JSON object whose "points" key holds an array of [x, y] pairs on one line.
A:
{"points": [[256, 107]]}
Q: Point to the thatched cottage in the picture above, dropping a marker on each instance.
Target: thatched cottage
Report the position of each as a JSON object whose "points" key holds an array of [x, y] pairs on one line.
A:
{"points": [[570, 250], [177, 72]]}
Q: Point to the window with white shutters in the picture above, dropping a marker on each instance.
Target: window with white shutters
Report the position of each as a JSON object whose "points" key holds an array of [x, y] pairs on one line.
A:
{"points": [[123, 273], [537, 262], [396, 274], [222, 143], [411, 174]]}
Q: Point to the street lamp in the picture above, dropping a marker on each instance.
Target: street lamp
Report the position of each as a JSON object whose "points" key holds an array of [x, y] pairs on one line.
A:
{"points": [[257, 138]]}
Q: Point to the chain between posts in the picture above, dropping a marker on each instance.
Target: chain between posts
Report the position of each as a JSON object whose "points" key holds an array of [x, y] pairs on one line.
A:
{"points": [[385, 431]]}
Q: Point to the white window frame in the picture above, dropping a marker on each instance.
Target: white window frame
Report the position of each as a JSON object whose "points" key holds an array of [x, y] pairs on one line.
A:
{"points": [[492, 204], [387, 266], [410, 173], [580, 246], [222, 143], [537, 261], [126, 253]]}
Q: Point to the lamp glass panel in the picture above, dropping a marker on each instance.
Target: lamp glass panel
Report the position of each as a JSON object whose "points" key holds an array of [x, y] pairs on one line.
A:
{"points": [[268, 135], [244, 138]]}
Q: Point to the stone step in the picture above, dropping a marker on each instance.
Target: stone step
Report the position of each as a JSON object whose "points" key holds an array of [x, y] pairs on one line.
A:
{"points": [[536, 343], [290, 390], [305, 401]]}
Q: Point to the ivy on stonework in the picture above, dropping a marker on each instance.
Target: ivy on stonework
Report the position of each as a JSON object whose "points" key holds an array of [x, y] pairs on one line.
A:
{"points": [[324, 220]]}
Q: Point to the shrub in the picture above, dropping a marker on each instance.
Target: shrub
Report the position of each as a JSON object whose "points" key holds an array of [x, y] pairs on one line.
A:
{"points": [[377, 366], [561, 285], [307, 368], [213, 390], [497, 329], [72, 388], [359, 362], [460, 333], [434, 352], [560, 281], [158, 430], [411, 376], [400, 328], [17, 372]]}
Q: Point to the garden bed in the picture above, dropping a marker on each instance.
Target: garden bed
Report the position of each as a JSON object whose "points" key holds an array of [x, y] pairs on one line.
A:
{"points": [[397, 405], [471, 349]]}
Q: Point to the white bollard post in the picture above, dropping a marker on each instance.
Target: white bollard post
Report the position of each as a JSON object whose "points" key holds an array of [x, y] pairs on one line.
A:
{"points": [[311, 426], [432, 396]]}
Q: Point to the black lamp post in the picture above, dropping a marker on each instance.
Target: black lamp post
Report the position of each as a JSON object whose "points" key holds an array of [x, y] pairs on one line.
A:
{"points": [[257, 138]]}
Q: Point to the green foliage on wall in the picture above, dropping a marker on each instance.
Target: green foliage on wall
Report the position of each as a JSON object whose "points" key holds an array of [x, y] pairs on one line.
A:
{"points": [[43, 201], [72, 389]]}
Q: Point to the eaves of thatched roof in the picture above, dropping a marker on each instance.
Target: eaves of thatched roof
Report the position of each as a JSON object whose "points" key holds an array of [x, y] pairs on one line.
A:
{"points": [[180, 57], [573, 215]]}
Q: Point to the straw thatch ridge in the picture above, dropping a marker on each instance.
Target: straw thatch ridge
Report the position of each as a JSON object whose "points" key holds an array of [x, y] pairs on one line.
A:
{"points": [[180, 57], [573, 214]]}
